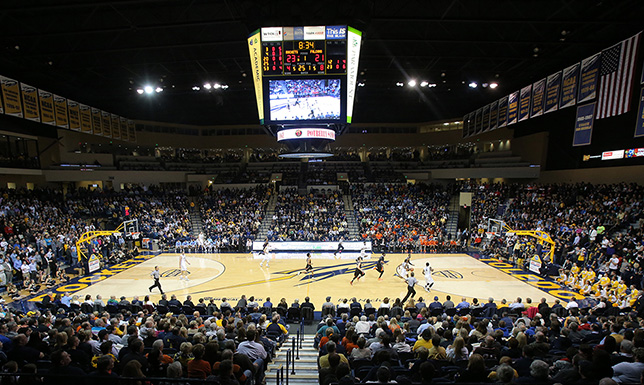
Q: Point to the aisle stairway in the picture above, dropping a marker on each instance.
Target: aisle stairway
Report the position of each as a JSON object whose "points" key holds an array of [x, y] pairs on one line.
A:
{"points": [[196, 222], [268, 218], [306, 367], [452, 222], [352, 222]]}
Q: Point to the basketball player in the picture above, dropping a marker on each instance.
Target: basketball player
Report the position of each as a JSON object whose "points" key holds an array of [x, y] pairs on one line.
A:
{"points": [[429, 280], [309, 265], [363, 250], [407, 266], [340, 247], [183, 265], [359, 273], [156, 276], [266, 255], [380, 266]]}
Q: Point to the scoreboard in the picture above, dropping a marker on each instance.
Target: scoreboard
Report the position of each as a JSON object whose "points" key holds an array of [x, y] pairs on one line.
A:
{"points": [[305, 57]]}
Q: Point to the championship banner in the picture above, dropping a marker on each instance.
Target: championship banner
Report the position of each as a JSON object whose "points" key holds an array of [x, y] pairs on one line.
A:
{"points": [[584, 125], [116, 131], [107, 124], [552, 92], [588, 78], [513, 107], [97, 123], [503, 111], [30, 102], [85, 118], [74, 115], [47, 115], [524, 104], [569, 87], [494, 115], [639, 127], [123, 128], [538, 90], [485, 126], [60, 111], [479, 121], [131, 131], [11, 96], [472, 125]]}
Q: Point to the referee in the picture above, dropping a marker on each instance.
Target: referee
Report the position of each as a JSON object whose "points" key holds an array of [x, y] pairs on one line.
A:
{"points": [[156, 275], [411, 281]]}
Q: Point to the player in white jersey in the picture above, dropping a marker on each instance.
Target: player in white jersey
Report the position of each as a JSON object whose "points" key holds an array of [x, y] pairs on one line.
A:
{"points": [[363, 250], [429, 280], [183, 265], [266, 254]]}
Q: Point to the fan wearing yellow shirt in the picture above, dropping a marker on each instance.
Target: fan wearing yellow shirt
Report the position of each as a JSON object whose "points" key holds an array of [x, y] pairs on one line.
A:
{"points": [[575, 270], [604, 280], [562, 278]]}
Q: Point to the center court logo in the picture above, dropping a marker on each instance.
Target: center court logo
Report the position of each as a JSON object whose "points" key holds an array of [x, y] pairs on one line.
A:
{"points": [[172, 273], [451, 274]]}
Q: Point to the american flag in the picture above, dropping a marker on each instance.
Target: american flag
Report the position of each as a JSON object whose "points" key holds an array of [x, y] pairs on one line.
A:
{"points": [[616, 78]]}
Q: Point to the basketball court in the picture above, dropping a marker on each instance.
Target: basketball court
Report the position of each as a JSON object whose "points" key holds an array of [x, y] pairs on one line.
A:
{"points": [[231, 275]]}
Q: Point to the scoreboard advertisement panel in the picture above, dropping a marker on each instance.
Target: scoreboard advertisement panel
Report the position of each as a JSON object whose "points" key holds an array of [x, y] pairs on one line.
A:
{"points": [[319, 54]]}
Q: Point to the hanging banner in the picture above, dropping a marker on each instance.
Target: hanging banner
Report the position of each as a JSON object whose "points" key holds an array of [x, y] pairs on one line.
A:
{"points": [[494, 115], [553, 88], [588, 78], [584, 125], [107, 124], [47, 115], [74, 115], [11, 96], [524, 104], [472, 124], [538, 90], [503, 111], [639, 128], [85, 118], [123, 126], [30, 102], [97, 123], [569, 86], [131, 131], [513, 107], [116, 131], [60, 111], [479, 121], [486, 119]]}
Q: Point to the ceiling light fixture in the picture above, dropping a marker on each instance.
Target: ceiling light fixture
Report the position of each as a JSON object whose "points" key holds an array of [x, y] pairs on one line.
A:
{"points": [[494, 85], [473, 85], [148, 89], [424, 83], [139, 91], [411, 83], [207, 86]]}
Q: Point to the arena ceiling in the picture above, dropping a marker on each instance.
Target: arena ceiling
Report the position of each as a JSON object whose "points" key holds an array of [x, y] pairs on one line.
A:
{"points": [[100, 52]]}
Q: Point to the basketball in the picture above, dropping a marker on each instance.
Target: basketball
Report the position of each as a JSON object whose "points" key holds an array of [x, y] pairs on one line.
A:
{"points": [[411, 269]]}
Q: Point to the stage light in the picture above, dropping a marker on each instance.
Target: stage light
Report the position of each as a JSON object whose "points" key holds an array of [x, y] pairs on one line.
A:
{"points": [[139, 91], [411, 83], [148, 89], [207, 86], [473, 85], [493, 85]]}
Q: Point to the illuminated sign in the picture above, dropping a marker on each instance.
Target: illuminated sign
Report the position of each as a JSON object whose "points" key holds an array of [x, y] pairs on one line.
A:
{"points": [[610, 155], [306, 133]]}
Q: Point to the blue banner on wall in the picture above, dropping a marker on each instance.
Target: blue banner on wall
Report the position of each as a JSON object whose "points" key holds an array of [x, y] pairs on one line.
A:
{"points": [[584, 125], [494, 115], [503, 111], [524, 103], [486, 118], [569, 86], [588, 78], [513, 107], [639, 128], [479, 120], [553, 87]]}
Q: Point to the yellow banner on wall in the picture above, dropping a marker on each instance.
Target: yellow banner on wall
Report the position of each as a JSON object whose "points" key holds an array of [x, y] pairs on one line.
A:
{"points": [[73, 110], [116, 131], [97, 124], [46, 107], [131, 131], [254, 49], [107, 124], [85, 118], [11, 96], [30, 102], [123, 125], [60, 111]]}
